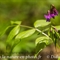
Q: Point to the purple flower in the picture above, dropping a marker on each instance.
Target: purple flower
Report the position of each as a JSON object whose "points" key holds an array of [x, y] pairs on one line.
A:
{"points": [[55, 12], [51, 13], [48, 16]]}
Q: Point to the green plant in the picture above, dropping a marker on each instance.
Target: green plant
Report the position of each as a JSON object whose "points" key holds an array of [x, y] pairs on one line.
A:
{"points": [[16, 40]]}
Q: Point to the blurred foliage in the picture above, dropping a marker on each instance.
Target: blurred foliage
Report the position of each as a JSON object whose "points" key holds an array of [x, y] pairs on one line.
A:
{"points": [[15, 38]]}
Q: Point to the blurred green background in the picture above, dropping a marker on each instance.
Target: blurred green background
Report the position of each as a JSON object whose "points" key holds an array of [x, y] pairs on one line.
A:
{"points": [[27, 11]]}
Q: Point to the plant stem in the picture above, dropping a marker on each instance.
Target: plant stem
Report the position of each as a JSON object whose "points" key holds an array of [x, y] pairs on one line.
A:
{"points": [[26, 26], [36, 30]]}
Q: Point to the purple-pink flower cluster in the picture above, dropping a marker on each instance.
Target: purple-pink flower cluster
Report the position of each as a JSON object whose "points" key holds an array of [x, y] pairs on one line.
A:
{"points": [[51, 13]]}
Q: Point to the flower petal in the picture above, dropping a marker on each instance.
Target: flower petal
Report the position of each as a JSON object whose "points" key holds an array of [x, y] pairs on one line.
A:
{"points": [[55, 12], [52, 15], [47, 17]]}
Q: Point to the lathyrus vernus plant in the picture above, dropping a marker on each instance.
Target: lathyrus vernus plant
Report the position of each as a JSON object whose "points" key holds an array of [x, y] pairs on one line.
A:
{"points": [[19, 40]]}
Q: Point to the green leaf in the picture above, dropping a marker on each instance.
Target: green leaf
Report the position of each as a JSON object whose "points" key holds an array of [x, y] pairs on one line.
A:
{"points": [[24, 45], [39, 48], [41, 43], [17, 48], [58, 27], [41, 23], [13, 32], [4, 31], [25, 34], [42, 39], [15, 22]]}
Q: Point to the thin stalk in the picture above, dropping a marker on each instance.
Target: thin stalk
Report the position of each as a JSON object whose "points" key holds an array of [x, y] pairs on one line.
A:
{"points": [[36, 30]]}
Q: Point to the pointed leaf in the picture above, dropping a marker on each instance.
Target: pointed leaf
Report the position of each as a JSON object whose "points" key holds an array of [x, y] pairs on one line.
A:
{"points": [[25, 34], [41, 43], [41, 23], [15, 22], [13, 32], [42, 39]]}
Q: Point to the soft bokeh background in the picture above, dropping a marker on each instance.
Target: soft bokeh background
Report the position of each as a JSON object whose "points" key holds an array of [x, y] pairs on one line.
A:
{"points": [[27, 11]]}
